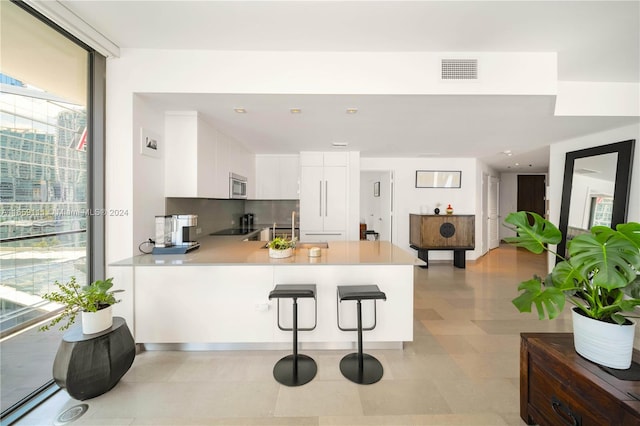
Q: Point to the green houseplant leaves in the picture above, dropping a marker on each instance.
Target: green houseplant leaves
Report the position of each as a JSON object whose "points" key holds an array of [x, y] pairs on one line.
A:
{"points": [[600, 277], [75, 298]]}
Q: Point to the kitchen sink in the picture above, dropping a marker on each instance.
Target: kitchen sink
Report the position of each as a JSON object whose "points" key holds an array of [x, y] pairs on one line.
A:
{"points": [[306, 245]]}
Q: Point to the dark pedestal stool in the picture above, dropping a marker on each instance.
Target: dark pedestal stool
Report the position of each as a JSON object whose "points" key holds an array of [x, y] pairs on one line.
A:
{"points": [[295, 369], [360, 367], [88, 365]]}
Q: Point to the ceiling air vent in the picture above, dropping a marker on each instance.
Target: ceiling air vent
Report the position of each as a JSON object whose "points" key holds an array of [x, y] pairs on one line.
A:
{"points": [[459, 69]]}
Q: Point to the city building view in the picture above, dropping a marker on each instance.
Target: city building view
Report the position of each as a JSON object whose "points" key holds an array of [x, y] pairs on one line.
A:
{"points": [[43, 191], [43, 185]]}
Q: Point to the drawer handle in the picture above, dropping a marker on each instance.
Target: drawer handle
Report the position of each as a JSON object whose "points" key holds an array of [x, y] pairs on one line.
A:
{"points": [[565, 413]]}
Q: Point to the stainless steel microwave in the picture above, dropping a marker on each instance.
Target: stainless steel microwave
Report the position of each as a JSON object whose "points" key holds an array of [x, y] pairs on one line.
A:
{"points": [[237, 186]]}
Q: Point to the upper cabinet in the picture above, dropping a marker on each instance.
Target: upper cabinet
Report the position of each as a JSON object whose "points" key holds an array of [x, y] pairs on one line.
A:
{"points": [[199, 158], [277, 177], [323, 195]]}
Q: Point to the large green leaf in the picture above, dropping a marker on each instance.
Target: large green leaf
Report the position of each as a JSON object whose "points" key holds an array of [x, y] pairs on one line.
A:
{"points": [[631, 231], [532, 237], [566, 277], [544, 298], [606, 257]]}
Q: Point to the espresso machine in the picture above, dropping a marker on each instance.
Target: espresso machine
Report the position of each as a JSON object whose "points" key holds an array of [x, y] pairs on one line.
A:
{"points": [[174, 234]]}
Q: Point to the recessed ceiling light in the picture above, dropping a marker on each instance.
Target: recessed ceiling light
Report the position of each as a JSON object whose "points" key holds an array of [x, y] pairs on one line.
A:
{"points": [[295, 110], [517, 164], [339, 144], [352, 110], [508, 153], [240, 110]]}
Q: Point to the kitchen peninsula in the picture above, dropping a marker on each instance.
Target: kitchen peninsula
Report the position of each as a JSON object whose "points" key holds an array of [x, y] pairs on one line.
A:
{"points": [[216, 297]]}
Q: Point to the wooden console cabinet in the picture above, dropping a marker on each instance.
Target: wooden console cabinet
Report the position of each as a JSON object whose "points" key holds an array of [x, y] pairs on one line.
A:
{"points": [[442, 232], [559, 387]]}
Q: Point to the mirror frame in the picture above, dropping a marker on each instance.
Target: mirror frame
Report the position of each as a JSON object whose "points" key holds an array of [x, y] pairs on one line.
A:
{"points": [[621, 189]]}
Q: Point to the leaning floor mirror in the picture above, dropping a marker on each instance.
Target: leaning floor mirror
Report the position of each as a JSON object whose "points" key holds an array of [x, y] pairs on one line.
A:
{"points": [[595, 189]]}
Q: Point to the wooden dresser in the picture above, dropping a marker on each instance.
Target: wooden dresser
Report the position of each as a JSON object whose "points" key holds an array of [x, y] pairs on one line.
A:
{"points": [[442, 232], [559, 387]]}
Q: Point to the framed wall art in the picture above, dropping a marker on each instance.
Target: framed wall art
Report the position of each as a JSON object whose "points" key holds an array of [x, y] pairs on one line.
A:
{"points": [[150, 144], [438, 178]]}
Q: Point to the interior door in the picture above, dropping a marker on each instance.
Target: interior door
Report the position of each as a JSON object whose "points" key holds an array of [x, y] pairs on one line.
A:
{"points": [[494, 213], [531, 193]]}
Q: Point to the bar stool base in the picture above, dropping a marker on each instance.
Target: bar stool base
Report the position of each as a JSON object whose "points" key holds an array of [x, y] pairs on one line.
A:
{"points": [[284, 373], [371, 369]]}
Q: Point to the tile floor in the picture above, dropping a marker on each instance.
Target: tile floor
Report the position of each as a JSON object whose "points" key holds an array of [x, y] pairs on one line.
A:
{"points": [[461, 369]]}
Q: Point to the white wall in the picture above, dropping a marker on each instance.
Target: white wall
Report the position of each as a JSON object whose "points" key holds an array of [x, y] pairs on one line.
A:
{"points": [[409, 199], [148, 172]]}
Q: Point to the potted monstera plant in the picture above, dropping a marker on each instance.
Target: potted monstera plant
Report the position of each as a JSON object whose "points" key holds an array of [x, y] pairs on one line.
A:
{"points": [[599, 277], [93, 301]]}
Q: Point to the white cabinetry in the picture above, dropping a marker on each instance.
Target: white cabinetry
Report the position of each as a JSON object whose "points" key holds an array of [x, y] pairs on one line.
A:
{"points": [[277, 177], [226, 304], [199, 158], [203, 304], [323, 196]]}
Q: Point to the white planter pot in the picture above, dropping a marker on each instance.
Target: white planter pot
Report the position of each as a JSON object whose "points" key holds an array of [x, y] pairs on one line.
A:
{"points": [[95, 322], [280, 254], [604, 343]]}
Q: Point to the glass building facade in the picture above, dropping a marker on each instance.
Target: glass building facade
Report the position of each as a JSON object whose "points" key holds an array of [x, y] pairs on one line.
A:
{"points": [[43, 194]]}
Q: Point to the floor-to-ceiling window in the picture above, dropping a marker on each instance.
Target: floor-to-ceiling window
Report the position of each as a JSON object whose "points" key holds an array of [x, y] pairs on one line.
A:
{"points": [[46, 188]]}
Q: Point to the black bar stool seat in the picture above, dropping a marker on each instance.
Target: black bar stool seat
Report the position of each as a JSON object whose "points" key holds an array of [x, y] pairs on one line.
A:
{"points": [[295, 369], [360, 292], [359, 367]]}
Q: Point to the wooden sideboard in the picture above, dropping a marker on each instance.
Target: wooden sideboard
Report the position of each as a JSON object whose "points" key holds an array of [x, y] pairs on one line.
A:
{"points": [[442, 232], [559, 387]]}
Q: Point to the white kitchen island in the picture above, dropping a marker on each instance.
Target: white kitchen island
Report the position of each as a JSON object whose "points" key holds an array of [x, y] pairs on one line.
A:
{"points": [[216, 297]]}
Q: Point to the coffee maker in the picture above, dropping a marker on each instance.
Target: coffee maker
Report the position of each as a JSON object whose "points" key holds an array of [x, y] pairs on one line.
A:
{"points": [[174, 234]]}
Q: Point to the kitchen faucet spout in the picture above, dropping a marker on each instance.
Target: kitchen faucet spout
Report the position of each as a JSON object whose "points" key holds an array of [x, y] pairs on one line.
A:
{"points": [[293, 225]]}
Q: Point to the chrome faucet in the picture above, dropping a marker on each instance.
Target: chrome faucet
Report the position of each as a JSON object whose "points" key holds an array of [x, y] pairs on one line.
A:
{"points": [[293, 225]]}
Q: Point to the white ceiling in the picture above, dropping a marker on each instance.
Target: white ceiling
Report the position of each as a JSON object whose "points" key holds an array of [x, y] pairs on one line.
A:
{"points": [[595, 41]]}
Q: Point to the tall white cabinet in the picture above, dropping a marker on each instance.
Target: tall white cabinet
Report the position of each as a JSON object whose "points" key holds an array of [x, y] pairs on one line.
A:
{"points": [[323, 196]]}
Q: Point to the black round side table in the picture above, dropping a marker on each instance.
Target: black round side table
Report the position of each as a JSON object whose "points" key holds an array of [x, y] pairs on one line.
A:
{"points": [[88, 365]]}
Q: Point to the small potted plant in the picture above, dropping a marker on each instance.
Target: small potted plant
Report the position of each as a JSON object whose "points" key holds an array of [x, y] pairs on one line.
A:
{"points": [[280, 247], [600, 278], [94, 301]]}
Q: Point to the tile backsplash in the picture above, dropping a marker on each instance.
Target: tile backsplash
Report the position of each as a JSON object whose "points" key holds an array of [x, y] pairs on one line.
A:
{"points": [[266, 212], [215, 215]]}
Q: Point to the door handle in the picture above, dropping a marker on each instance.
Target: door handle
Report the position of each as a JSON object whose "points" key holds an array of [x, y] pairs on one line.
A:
{"points": [[565, 413], [320, 200], [326, 197]]}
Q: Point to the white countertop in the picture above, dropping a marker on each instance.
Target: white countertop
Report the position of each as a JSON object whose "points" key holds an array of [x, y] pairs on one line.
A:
{"points": [[230, 250]]}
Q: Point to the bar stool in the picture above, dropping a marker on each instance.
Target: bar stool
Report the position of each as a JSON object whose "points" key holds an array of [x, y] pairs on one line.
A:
{"points": [[360, 367], [295, 369]]}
